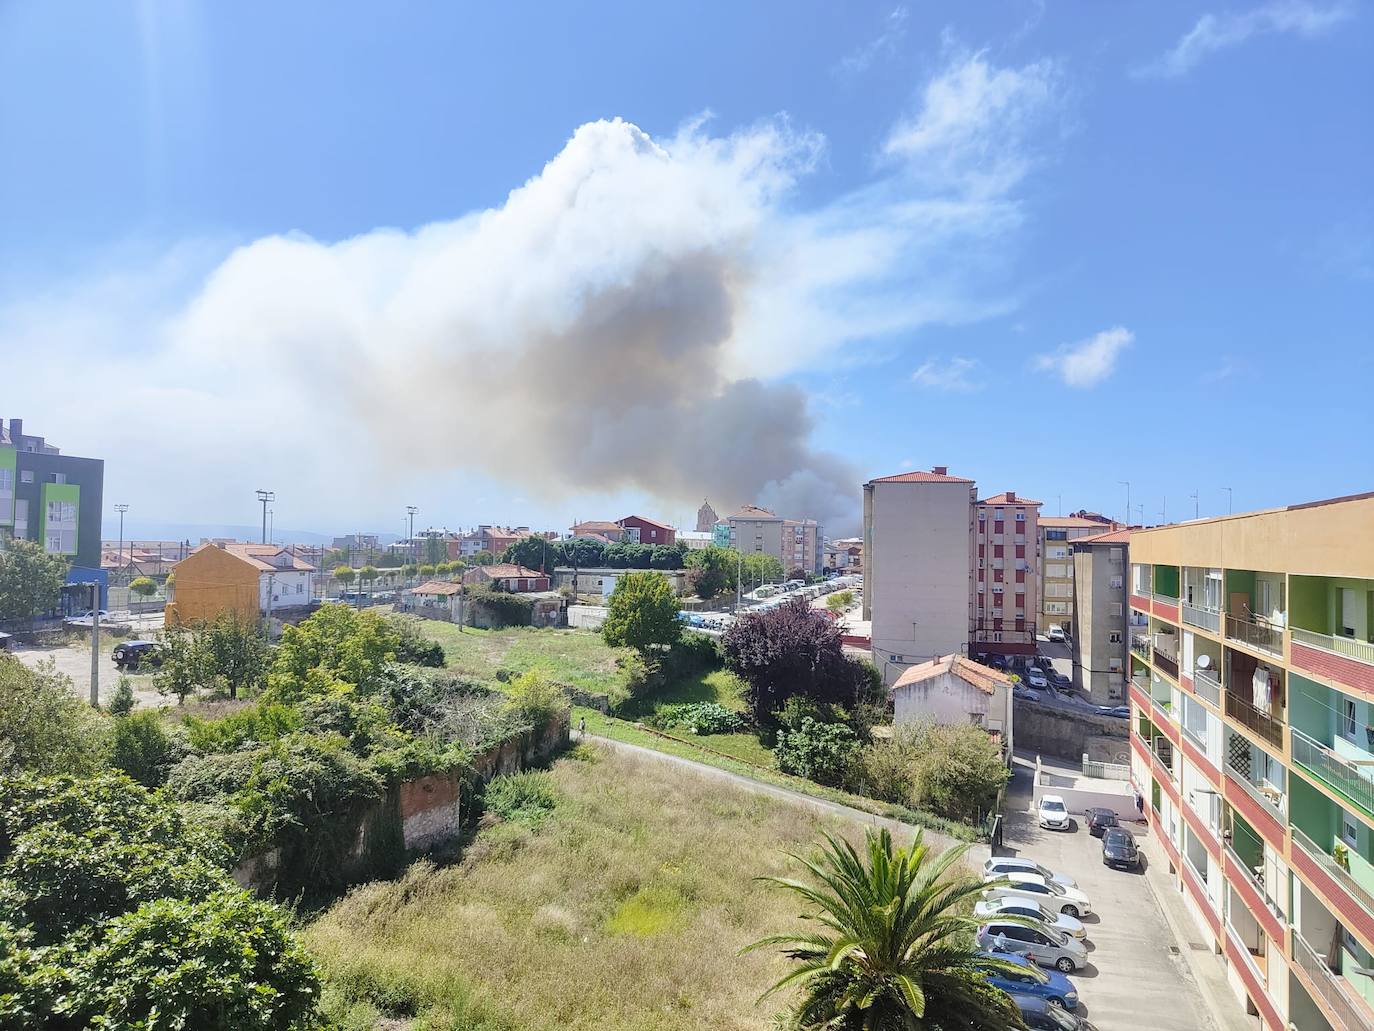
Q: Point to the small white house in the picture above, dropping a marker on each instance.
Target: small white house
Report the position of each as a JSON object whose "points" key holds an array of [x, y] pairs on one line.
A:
{"points": [[952, 689]]}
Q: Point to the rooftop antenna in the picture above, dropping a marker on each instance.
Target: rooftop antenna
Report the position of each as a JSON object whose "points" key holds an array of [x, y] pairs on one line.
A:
{"points": [[1228, 499], [1194, 497]]}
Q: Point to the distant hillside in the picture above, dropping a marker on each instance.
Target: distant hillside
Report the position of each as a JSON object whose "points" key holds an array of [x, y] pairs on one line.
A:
{"points": [[153, 531]]}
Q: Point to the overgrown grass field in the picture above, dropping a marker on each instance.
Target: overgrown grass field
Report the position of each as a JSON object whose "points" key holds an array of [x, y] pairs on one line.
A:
{"points": [[572, 656], [623, 908]]}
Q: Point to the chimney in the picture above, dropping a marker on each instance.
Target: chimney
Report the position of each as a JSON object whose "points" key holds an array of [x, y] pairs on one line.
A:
{"points": [[1011, 495], [16, 431], [941, 470]]}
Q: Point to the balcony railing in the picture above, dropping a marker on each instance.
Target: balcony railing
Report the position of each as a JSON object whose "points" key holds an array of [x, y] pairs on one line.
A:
{"points": [[1334, 870], [1164, 752], [1207, 619], [1352, 1013], [1350, 647], [1207, 685], [1256, 633], [1140, 644], [1335, 771], [1267, 796], [1166, 663], [1244, 713], [1256, 881]]}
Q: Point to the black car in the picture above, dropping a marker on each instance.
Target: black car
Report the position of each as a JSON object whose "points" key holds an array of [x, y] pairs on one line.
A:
{"points": [[135, 654], [1041, 1015], [1099, 820], [1118, 849]]}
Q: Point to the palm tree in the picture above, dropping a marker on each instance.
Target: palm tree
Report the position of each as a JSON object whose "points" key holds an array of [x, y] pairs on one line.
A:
{"points": [[897, 951]]}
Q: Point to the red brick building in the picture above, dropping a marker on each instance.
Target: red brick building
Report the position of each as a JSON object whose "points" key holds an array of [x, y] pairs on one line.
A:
{"points": [[646, 531]]}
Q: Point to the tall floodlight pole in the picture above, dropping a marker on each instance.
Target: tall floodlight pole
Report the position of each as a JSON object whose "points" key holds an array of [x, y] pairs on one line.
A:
{"points": [[1228, 499], [411, 510], [119, 559], [265, 496]]}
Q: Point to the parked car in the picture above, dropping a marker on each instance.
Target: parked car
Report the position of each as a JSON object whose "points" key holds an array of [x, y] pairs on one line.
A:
{"points": [[1098, 820], [1119, 711], [88, 617], [1071, 901], [1036, 679], [1056, 634], [998, 662], [990, 909], [1053, 813], [133, 654], [1118, 849], [1043, 945], [1027, 694], [1052, 986], [1042, 1015], [1020, 864], [1056, 678]]}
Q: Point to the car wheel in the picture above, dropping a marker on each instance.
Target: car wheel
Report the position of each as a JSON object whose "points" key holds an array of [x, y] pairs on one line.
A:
{"points": [[1070, 910], [1056, 1002], [1064, 965]]}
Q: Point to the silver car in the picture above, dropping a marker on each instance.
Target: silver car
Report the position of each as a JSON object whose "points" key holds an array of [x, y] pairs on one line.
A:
{"points": [[991, 909], [1043, 945]]}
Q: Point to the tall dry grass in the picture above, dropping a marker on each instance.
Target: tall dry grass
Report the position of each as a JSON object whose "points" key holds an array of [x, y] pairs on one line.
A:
{"points": [[625, 909]]}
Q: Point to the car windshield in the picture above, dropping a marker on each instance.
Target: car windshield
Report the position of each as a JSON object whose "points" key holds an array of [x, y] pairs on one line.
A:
{"points": [[1061, 1019], [1118, 838], [1054, 887], [1052, 805]]}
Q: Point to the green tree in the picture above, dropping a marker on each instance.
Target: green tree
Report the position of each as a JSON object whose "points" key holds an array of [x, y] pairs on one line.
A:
{"points": [[483, 558], [336, 645], [234, 653], [426, 570], [345, 575], [957, 771], [839, 601], [143, 749], [436, 550], [182, 671], [534, 552], [895, 946], [122, 700], [711, 570], [30, 580], [44, 727], [642, 613], [760, 569], [583, 553], [143, 586]]}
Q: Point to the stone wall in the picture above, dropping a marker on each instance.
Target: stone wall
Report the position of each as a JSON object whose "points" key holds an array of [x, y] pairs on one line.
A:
{"points": [[1067, 733]]}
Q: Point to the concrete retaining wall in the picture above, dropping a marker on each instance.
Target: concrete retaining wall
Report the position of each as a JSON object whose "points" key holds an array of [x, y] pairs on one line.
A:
{"points": [[1066, 734]]}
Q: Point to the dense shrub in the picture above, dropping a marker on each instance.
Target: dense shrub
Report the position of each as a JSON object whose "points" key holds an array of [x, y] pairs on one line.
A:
{"points": [[823, 752], [521, 797], [698, 718], [955, 771], [412, 646], [537, 699], [502, 607], [641, 613], [143, 749], [263, 722], [336, 648], [122, 700], [44, 727]]}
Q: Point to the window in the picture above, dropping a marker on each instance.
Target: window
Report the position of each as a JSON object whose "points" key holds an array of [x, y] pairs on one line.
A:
{"points": [[55, 543], [1115, 608], [1021, 552], [998, 526], [25, 475], [1056, 535], [1114, 637], [6, 479], [1350, 830], [1114, 556], [997, 514], [1021, 578], [1348, 718], [1115, 583], [997, 550], [1020, 516]]}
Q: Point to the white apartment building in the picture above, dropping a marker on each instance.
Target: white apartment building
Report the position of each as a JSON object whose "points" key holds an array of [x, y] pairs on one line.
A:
{"points": [[918, 564]]}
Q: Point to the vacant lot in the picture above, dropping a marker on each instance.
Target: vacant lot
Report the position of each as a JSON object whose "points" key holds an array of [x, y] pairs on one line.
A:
{"points": [[624, 909], [573, 656], [70, 653]]}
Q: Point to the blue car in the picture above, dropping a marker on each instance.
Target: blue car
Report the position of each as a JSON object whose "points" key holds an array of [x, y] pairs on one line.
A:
{"points": [[1049, 985]]}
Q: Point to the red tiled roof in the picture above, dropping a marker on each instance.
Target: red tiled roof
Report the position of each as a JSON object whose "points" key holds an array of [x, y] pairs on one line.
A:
{"points": [[256, 555], [1003, 499], [754, 512], [507, 570], [439, 588], [596, 526], [644, 519], [920, 476], [1110, 537], [980, 676]]}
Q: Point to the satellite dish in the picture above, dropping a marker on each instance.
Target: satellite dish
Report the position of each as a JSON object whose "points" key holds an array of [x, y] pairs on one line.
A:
{"points": [[1203, 661]]}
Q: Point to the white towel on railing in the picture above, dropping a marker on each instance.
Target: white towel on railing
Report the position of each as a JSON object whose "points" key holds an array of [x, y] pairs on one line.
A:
{"points": [[1259, 686]]}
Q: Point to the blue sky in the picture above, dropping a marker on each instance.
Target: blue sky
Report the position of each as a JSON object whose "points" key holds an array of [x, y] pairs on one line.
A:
{"points": [[1051, 246]]}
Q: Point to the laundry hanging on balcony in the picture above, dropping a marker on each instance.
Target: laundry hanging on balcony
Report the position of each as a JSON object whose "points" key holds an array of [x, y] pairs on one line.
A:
{"points": [[1259, 687]]}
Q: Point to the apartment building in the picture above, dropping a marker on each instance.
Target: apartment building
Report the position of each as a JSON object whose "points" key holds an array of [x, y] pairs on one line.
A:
{"points": [[1056, 564], [803, 546], [918, 547], [1252, 734], [756, 529], [55, 500], [1100, 629], [1006, 597]]}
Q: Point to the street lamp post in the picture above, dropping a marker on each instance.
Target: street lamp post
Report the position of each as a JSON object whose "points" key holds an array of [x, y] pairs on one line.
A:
{"points": [[119, 558], [410, 539], [265, 496]]}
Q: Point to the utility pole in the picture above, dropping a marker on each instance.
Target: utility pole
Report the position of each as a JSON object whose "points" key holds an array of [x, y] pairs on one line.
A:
{"points": [[271, 525], [1228, 499], [739, 580], [1128, 500], [265, 496], [1164, 510], [119, 559], [95, 645]]}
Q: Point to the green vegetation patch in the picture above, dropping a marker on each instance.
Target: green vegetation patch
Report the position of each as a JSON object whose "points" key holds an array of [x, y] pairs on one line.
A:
{"points": [[653, 909]]}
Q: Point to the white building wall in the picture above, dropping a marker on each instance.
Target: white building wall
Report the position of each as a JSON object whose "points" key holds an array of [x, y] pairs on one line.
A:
{"points": [[290, 587], [949, 699], [917, 583]]}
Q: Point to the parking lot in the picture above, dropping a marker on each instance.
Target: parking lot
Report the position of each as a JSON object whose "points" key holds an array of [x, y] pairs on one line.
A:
{"points": [[73, 658], [1135, 976]]}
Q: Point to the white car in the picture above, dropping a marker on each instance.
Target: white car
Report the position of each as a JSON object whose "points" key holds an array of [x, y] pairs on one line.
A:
{"points": [[1057, 634], [1053, 813], [1070, 901], [990, 909], [1036, 679], [1020, 864]]}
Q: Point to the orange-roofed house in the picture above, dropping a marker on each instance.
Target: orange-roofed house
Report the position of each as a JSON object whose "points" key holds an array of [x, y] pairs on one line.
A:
{"points": [[953, 689], [250, 580], [507, 576]]}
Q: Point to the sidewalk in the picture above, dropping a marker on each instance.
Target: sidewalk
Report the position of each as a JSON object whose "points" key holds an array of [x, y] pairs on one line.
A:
{"points": [[1225, 1011]]}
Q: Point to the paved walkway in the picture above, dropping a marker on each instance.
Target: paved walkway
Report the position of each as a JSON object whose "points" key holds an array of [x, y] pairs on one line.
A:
{"points": [[977, 854]]}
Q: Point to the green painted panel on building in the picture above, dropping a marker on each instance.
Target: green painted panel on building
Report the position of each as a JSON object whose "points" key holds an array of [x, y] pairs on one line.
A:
{"points": [[1166, 581], [59, 492], [9, 475]]}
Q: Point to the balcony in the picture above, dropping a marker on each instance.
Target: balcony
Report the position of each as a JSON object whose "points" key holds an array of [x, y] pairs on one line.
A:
{"points": [[1256, 633], [1347, 778], [1254, 876], [1207, 686], [1163, 749], [1206, 619], [1349, 647], [1268, 796], [1244, 713], [1338, 872], [1140, 645], [1166, 663], [1352, 1012]]}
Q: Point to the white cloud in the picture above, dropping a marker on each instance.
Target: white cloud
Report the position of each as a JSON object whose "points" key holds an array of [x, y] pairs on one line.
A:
{"points": [[1088, 362], [636, 297], [1214, 32], [884, 44], [953, 375]]}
